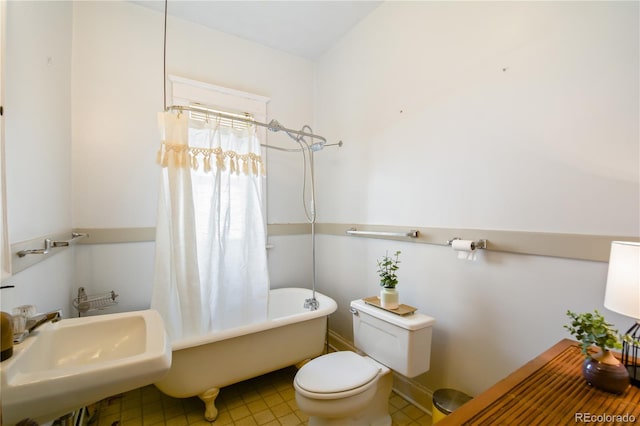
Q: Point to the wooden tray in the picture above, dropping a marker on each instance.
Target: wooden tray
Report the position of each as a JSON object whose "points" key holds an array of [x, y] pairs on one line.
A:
{"points": [[400, 310]]}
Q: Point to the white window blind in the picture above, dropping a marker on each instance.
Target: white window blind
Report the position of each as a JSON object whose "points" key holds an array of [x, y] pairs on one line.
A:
{"points": [[211, 114]]}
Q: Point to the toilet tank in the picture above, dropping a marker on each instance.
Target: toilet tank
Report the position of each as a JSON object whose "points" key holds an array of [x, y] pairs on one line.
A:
{"points": [[402, 343]]}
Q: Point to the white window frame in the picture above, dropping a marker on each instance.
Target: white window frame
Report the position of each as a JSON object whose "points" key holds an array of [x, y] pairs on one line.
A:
{"points": [[188, 92]]}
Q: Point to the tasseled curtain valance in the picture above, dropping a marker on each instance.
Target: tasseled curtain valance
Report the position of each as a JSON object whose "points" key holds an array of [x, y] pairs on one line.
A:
{"points": [[182, 156]]}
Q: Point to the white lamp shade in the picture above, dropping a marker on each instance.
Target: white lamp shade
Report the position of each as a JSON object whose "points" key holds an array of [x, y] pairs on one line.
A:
{"points": [[622, 294]]}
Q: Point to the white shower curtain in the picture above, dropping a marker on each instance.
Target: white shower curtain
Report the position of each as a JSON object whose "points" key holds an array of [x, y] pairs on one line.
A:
{"points": [[211, 266]]}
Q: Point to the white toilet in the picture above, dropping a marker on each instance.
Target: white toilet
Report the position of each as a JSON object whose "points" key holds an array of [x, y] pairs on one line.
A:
{"points": [[344, 388]]}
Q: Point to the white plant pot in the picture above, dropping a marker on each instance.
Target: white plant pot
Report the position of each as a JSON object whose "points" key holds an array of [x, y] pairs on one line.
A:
{"points": [[389, 298]]}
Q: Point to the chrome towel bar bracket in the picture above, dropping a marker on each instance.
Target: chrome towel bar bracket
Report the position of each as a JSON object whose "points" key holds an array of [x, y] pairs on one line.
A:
{"points": [[49, 244]]}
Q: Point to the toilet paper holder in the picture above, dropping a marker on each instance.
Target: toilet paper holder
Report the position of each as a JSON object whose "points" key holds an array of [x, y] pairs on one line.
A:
{"points": [[475, 245]]}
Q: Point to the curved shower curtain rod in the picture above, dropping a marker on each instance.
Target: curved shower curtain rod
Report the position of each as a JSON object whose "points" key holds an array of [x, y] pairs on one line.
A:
{"points": [[273, 125]]}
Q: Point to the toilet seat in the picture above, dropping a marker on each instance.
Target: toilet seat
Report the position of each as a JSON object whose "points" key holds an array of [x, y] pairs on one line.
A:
{"points": [[336, 375]]}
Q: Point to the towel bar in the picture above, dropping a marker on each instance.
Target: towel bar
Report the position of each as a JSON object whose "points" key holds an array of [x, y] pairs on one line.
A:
{"points": [[412, 233], [49, 244]]}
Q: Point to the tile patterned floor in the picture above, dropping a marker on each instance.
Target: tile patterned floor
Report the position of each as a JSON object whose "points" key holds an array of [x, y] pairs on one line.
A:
{"points": [[267, 400]]}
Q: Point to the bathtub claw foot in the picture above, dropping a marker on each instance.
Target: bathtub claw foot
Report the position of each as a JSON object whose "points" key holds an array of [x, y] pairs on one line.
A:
{"points": [[209, 399]]}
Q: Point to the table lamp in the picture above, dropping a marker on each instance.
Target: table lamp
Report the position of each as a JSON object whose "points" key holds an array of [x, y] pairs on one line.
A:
{"points": [[622, 295]]}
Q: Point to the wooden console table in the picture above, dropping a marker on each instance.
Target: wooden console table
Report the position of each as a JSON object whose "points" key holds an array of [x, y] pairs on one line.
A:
{"points": [[549, 390]]}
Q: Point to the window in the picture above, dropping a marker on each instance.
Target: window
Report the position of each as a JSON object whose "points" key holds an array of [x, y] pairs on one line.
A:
{"points": [[229, 101]]}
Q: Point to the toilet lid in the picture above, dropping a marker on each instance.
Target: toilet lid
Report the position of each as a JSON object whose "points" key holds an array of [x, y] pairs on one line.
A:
{"points": [[336, 372]]}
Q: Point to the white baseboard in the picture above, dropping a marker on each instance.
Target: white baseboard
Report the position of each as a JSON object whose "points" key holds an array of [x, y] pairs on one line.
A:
{"points": [[414, 392]]}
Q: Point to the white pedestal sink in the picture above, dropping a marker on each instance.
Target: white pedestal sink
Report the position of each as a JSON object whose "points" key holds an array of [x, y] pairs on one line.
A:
{"points": [[75, 362]]}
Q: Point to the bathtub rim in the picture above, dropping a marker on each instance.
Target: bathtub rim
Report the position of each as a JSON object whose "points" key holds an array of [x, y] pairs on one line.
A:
{"points": [[327, 307]]}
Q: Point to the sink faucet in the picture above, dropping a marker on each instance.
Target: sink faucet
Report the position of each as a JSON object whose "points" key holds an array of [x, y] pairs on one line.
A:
{"points": [[35, 322], [38, 320]]}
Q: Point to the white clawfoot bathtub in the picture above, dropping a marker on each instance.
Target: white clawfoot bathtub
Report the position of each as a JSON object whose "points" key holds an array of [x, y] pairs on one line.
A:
{"points": [[291, 334]]}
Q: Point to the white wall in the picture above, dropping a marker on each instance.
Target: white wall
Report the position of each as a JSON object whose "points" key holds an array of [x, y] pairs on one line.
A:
{"points": [[117, 93], [490, 115], [38, 146]]}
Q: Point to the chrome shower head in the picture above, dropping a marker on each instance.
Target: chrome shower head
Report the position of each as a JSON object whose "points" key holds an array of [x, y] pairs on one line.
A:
{"points": [[317, 146], [274, 126]]}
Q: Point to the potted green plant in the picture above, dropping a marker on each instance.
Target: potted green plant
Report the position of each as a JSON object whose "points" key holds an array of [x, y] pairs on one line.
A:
{"points": [[387, 268], [601, 370]]}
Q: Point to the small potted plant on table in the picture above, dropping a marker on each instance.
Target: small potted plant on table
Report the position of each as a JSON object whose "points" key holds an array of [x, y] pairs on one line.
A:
{"points": [[387, 267], [601, 370]]}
